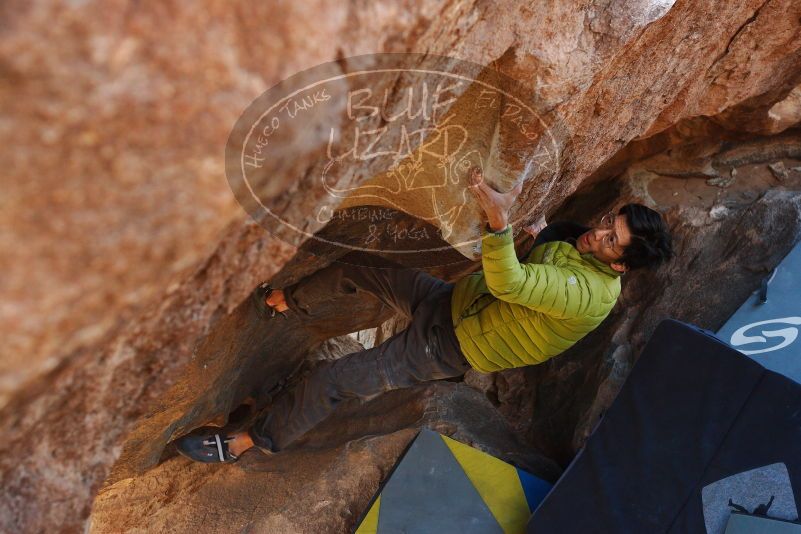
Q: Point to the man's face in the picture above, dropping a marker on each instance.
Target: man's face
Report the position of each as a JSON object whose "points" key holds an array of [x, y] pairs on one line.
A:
{"points": [[607, 240]]}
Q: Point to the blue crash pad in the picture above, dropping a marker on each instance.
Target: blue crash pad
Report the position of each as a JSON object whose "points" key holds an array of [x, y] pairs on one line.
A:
{"points": [[769, 333]]}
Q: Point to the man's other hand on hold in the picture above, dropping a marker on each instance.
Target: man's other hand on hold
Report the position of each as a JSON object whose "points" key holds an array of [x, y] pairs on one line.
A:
{"points": [[536, 227], [495, 205]]}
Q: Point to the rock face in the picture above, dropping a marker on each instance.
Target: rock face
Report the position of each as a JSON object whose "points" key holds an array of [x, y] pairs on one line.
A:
{"points": [[324, 483], [644, 100]]}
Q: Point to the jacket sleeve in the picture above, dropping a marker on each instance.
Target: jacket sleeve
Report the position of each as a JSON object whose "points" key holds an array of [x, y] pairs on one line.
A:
{"points": [[556, 291]]}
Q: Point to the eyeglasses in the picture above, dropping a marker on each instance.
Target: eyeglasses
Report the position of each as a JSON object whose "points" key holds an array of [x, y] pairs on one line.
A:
{"points": [[609, 240]]}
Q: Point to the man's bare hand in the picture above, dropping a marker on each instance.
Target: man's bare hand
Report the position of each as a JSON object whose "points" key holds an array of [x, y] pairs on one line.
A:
{"points": [[495, 205]]}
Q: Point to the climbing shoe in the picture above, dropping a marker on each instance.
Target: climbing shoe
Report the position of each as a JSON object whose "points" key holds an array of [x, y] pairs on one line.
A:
{"points": [[207, 445], [261, 294]]}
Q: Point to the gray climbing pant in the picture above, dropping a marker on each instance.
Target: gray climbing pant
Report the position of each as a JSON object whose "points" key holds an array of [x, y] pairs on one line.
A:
{"points": [[427, 350]]}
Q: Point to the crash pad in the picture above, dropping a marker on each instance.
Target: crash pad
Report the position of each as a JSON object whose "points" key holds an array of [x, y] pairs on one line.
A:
{"points": [[442, 485], [766, 327], [697, 432]]}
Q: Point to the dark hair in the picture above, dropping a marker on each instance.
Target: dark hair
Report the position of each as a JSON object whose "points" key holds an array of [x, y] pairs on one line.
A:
{"points": [[651, 244]]}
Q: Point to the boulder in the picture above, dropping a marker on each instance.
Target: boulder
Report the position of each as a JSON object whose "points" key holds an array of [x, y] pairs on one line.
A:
{"points": [[324, 483], [132, 103]]}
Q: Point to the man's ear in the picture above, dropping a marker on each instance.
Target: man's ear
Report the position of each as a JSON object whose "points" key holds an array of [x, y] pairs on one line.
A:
{"points": [[619, 267]]}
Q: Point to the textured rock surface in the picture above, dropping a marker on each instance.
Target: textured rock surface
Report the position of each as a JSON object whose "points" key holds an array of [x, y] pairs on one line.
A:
{"points": [[323, 484], [136, 102]]}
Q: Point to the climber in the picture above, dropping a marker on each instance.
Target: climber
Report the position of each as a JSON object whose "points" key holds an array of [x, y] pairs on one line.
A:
{"points": [[510, 314]]}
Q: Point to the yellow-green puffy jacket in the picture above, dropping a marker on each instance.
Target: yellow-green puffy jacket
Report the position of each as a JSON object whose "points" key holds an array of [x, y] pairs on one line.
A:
{"points": [[514, 314]]}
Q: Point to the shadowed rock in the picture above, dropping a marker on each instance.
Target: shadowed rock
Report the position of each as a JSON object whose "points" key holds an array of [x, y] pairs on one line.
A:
{"points": [[321, 484]]}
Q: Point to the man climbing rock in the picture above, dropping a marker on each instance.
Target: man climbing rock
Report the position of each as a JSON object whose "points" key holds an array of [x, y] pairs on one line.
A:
{"points": [[510, 314]]}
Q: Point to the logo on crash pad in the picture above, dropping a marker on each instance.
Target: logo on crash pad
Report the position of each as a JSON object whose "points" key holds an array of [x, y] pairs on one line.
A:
{"points": [[378, 148], [766, 333]]}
